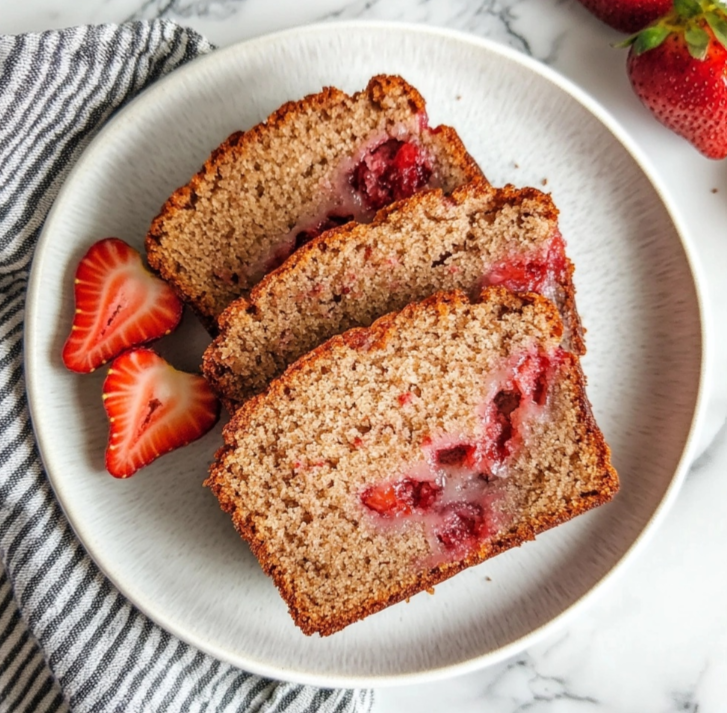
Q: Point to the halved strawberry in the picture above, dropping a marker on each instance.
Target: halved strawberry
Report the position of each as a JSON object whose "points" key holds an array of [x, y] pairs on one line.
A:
{"points": [[119, 304], [152, 409]]}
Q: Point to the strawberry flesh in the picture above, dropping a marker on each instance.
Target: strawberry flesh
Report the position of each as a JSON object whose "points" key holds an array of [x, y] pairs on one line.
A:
{"points": [[500, 428], [119, 304], [402, 497], [528, 385], [531, 273], [392, 171], [463, 526], [462, 455], [152, 409]]}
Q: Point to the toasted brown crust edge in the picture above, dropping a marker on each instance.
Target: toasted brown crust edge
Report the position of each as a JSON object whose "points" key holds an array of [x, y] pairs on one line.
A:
{"points": [[366, 338], [569, 313], [183, 198], [212, 366]]}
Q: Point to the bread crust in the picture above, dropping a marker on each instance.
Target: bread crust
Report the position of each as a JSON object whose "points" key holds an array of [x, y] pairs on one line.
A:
{"points": [[378, 91], [376, 337]]}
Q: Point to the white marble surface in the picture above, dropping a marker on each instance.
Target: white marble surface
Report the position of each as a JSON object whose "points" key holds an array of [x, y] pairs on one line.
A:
{"points": [[655, 639]]}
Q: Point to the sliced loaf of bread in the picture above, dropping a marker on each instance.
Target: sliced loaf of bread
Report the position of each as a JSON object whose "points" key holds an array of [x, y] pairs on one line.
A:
{"points": [[315, 163], [392, 457], [350, 276]]}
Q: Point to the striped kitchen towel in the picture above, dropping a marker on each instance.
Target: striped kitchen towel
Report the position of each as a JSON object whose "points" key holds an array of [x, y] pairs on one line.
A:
{"points": [[68, 639]]}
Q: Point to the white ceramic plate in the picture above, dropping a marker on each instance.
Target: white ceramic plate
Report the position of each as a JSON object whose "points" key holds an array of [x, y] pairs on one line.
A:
{"points": [[162, 538]]}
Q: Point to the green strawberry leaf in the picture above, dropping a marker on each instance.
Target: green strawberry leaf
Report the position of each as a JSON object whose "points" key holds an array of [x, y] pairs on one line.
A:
{"points": [[719, 27], [627, 42], [697, 41], [687, 8], [650, 38]]}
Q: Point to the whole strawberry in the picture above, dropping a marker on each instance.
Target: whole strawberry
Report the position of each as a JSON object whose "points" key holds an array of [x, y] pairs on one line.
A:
{"points": [[628, 15], [678, 68]]}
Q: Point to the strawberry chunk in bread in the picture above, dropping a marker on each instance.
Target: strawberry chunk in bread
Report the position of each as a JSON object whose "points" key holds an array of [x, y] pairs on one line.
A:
{"points": [[314, 164], [391, 458]]}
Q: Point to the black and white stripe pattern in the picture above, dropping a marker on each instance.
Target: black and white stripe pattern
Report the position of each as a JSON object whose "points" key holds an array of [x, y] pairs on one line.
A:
{"points": [[68, 639]]}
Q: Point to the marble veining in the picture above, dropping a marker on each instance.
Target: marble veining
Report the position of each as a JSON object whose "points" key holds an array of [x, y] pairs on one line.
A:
{"points": [[522, 686], [487, 17], [655, 639], [212, 9]]}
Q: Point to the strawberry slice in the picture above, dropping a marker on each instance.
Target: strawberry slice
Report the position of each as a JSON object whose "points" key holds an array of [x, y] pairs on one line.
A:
{"points": [[152, 409], [119, 304]]}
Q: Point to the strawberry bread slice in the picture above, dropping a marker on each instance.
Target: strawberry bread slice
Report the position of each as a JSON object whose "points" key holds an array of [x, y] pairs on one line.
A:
{"points": [[392, 457], [352, 275], [315, 163]]}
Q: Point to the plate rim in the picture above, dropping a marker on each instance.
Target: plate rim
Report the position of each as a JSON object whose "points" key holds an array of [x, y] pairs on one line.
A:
{"points": [[274, 671]]}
